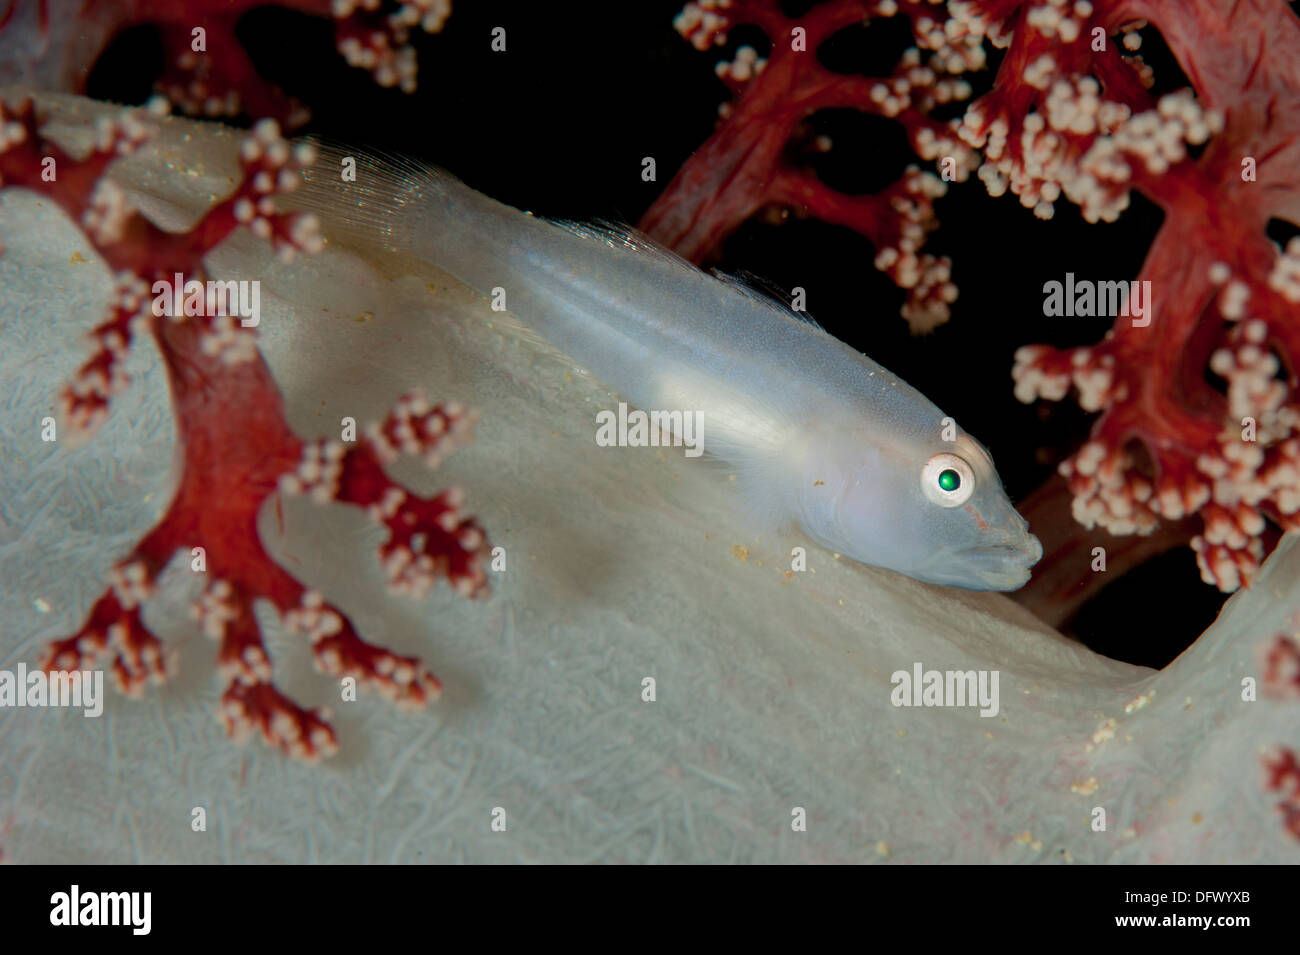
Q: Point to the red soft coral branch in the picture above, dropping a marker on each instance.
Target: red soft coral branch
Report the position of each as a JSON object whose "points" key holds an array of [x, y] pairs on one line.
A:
{"points": [[56, 49], [1282, 681], [746, 166], [231, 462], [1167, 444], [1284, 775]]}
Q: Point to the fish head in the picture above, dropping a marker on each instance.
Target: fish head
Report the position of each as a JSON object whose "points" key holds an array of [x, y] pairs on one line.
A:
{"points": [[934, 510]]}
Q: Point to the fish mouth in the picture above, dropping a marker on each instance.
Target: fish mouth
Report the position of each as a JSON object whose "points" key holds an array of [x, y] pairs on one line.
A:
{"points": [[1004, 566], [1026, 554]]}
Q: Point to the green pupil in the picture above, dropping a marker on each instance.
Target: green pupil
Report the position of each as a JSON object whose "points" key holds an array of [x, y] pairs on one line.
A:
{"points": [[949, 480]]}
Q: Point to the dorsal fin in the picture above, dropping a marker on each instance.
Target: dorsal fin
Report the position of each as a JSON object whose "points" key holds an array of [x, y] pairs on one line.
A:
{"points": [[764, 291], [370, 209], [619, 236]]}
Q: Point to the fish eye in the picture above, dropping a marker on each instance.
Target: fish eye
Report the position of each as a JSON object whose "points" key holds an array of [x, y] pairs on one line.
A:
{"points": [[947, 480]]}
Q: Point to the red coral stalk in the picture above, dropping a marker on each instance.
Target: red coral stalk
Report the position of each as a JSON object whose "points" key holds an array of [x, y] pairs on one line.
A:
{"points": [[1284, 775], [1282, 667], [1282, 681], [745, 166], [232, 462], [56, 48], [1068, 119]]}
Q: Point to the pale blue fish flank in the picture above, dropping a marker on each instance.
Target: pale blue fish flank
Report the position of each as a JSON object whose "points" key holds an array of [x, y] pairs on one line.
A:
{"points": [[819, 435]]}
